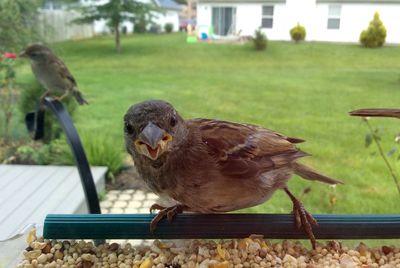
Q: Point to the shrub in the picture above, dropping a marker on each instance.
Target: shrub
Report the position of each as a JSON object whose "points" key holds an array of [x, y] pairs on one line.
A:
{"points": [[168, 27], [37, 153], [375, 35], [101, 151], [260, 40], [29, 101], [298, 33]]}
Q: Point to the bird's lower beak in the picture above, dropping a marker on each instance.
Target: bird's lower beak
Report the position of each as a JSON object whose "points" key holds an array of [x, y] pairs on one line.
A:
{"points": [[153, 141]]}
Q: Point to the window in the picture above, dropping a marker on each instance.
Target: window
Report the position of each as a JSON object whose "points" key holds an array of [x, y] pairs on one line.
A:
{"points": [[334, 16], [267, 20]]}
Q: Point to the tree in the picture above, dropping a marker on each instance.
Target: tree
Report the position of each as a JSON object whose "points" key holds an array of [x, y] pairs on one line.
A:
{"points": [[116, 12], [18, 24], [18, 27]]}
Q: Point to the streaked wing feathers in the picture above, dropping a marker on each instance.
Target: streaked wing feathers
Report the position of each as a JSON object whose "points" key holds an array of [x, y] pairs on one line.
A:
{"points": [[244, 150], [63, 72]]}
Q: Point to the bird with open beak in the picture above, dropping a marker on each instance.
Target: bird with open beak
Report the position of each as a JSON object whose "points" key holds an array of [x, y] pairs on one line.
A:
{"points": [[51, 72], [211, 166]]}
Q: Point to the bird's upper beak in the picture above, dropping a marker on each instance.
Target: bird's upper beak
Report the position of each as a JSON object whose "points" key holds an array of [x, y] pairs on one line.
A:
{"points": [[152, 141]]}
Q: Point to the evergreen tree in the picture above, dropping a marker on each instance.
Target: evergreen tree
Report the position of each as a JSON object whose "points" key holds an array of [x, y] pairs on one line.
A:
{"points": [[116, 12], [375, 35]]}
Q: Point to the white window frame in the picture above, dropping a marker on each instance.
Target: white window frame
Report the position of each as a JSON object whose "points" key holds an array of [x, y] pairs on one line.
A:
{"points": [[334, 17], [267, 16]]}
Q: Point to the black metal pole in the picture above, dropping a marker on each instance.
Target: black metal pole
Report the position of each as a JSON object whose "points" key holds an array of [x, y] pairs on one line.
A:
{"points": [[35, 124]]}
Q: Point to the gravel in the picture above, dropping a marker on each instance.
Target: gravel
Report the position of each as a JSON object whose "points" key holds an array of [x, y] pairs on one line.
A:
{"points": [[234, 253]]}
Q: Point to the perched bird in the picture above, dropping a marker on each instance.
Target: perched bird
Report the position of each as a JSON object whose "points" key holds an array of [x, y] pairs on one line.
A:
{"points": [[51, 72], [211, 166]]}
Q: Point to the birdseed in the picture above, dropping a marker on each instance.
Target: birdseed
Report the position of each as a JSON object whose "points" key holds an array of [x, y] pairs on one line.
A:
{"points": [[234, 253]]}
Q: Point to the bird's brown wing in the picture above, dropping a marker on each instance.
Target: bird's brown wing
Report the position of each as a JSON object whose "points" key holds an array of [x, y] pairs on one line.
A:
{"points": [[63, 72], [245, 151]]}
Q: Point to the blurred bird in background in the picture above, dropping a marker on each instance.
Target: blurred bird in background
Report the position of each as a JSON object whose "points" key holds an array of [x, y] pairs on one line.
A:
{"points": [[211, 166], [52, 73]]}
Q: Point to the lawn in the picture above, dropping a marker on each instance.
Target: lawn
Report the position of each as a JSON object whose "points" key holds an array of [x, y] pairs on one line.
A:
{"points": [[303, 90]]}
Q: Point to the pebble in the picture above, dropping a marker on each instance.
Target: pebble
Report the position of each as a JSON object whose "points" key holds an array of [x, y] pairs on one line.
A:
{"points": [[236, 253], [42, 258]]}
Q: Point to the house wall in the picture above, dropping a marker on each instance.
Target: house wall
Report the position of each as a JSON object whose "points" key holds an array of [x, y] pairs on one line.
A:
{"points": [[249, 16], [354, 19], [168, 17], [313, 16]]}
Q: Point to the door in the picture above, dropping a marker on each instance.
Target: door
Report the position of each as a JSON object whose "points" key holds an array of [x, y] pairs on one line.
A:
{"points": [[224, 20]]}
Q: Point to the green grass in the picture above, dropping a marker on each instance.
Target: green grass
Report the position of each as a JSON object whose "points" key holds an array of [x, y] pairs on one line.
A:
{"points": [[303, 90]]}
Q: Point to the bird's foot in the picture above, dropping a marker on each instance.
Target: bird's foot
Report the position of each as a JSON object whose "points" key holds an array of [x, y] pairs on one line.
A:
{"points": [[47, 93], [303, 219], [60, 98], [156, 207], [169, 212]]}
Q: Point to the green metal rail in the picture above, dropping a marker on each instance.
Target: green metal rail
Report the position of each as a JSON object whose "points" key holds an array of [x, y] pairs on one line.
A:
{"points": [[196, 226]]}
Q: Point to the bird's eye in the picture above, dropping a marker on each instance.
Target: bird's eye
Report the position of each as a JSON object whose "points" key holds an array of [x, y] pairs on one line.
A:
{"points": [[129, 129], [173, 121]]}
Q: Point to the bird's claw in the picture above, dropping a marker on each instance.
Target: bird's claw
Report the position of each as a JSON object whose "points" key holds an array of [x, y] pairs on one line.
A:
{"points": [[156, 207], [304, 220], [173, 212], [169, 212]]}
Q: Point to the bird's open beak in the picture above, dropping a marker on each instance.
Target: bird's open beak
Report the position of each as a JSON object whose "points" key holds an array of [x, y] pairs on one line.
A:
{"points": [[153, 141]]}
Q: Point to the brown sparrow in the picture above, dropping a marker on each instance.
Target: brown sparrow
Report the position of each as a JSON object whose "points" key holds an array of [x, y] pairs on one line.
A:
{"points": [[211, 166], [51, 72]]}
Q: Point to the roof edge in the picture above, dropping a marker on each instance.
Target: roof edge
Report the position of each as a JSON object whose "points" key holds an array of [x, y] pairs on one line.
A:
{"points": [[358, 1], [242, 1]]}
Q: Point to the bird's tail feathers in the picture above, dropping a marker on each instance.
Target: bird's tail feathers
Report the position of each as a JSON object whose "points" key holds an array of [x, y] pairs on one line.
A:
{"points": [[284, 159], [78, 96], [310, 174]]}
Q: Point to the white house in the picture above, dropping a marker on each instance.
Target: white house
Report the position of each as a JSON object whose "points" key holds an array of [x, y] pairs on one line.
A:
{"points": [[324, 20]]}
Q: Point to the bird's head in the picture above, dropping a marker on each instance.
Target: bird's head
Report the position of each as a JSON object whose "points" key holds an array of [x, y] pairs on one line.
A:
{"points": [[36, 52], [153, 128]]}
